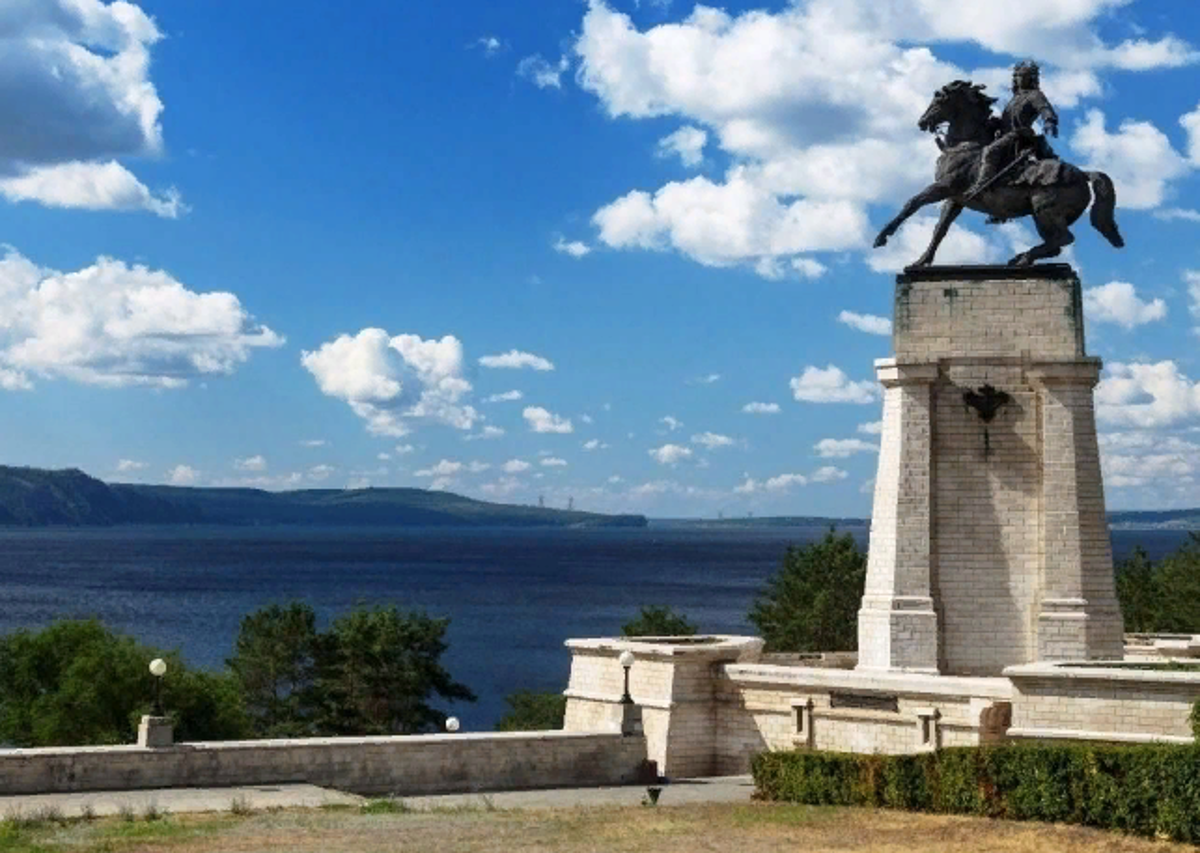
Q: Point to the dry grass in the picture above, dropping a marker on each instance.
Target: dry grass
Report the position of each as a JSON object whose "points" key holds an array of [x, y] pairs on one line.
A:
{"points": [[752, 828]]}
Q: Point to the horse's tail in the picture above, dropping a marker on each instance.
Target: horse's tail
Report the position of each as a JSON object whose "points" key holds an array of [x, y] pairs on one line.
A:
{"points": [[1104, 204]]}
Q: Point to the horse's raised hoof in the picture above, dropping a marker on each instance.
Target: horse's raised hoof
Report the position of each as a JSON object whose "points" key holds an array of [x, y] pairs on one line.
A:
{"points": [[881, 240]]}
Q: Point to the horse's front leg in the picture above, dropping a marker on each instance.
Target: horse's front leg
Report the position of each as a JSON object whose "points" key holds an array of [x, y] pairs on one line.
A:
{"points": [[950, 211], [932, 193]]}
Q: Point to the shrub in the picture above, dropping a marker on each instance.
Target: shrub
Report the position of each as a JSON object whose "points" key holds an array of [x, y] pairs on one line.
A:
{"points": [[533, 712], [658, 622], [1148, 790]]}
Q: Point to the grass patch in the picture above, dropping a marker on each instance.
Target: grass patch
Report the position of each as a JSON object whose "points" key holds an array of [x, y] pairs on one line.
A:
{"points": [[384, 806]]}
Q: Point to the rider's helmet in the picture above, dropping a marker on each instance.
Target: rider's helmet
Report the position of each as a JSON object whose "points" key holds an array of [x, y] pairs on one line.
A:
{"points": [[1027, 75]]}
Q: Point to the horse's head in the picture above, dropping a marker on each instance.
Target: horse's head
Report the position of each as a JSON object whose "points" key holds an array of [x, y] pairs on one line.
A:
{"points": [[955, 100]]}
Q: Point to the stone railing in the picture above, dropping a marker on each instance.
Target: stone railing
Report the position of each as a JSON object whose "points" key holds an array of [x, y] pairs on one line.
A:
{"points": [[417, 764]]}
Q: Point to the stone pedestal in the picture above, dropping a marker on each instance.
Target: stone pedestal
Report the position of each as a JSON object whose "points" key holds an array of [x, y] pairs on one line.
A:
{"points": [[155, 732], [989, 544]]}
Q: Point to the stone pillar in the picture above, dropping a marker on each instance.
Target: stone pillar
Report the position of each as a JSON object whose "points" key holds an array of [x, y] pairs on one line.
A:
{"points": [[1079, 616], [155, 732], [897, 625]]}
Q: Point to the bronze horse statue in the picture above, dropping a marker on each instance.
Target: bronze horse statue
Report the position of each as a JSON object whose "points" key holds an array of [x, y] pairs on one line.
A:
{"points": [[1055, 193]]}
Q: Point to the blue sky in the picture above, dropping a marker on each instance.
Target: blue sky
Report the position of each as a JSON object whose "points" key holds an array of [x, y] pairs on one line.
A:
{"points": [[294, 245]]}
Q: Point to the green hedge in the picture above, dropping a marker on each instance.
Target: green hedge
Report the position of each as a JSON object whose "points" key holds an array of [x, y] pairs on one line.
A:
{"points": [[1150, 790]]}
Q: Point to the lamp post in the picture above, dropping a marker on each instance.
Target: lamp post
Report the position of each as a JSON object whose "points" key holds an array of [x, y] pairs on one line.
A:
{"points": [[158, 668], [626, 661], [452, 724]]}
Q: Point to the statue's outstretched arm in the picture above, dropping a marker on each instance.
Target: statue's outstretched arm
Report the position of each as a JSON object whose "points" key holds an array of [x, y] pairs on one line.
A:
{"points": [[1047, 114]]}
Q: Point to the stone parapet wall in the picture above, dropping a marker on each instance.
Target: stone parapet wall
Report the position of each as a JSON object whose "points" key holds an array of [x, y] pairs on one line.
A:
{"points": [[419, 764], [1058, 702]]}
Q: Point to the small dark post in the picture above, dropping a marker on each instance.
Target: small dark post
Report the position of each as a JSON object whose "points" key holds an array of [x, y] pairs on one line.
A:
{"points": [[158, 668], [631, 714], [626, 660]]}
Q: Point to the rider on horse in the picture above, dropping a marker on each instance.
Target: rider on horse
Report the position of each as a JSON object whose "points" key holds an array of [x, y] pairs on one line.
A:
{"points": [[1028, 104]]}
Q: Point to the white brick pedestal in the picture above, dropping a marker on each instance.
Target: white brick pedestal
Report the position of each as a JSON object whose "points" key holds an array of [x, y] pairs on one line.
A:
{"points": [[989, 545]]}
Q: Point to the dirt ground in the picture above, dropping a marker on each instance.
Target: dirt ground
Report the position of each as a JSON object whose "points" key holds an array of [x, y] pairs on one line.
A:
{"points": [[741, 828]]}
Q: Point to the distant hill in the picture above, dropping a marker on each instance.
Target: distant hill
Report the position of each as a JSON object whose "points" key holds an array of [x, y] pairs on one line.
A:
{"points": [[34, 497], [1172, 519]]}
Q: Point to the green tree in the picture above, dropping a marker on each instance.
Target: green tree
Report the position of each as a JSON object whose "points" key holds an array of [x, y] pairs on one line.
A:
{"points": [[658, 622], [1137, 590], [379, 668], [812, 603], [275, 665], [529, 711], [76, 682], [1177, 582]]}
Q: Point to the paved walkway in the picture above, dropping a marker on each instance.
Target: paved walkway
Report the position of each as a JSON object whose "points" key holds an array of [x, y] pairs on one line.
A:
{"points": [[728, 789]]}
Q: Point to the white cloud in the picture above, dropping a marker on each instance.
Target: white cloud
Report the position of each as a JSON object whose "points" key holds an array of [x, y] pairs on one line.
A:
{"points": [[383, 457], [615, 478], [871, 428], [1146, 395], [808, 268], [687, 144], [1138, 157], [487, 433], [444, 468], [587, 419], [1153, 462], [868, 323], [478, 467], [961, 246], [502, 488], [126, 465], [670, 454], [505, 397], [12, 380], [1192, 277], [404, 449], [313, 442], [115, 325], [594, 444], [515, 360], [1168, 214], [554, 462], [391, 381], [441, 484], [183, 475], [1118, 302], [251, 463], [840, 448], [828, 474], [76, 90], [489, 44], [90, 186], [574, 248], [542, 73], [515, 466], [785, 481], [831, 385], [321, 472], [761, 408], [712, 440], [708, 379], [670, 422], [541, 420]]}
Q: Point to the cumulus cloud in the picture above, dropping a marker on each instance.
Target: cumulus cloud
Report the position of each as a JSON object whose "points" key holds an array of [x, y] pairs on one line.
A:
{"points": [[670, 422], [868, 323], [542, 73], [251, 463], [313, 442], [490, 45], [594, 444], [392, 381], [1141, 459], [115, 325], [404, 449], [828, 474], [871, 428], [840, 448], [183, 475], [504, 397], [670, 454], [515, 360], [515, 466], [1138, 157], [707, 379], [444, 468], [541, 420], [574, 248], [831, 385], [76, 91], [1118, 302], [487, 433], [761, 408], [126, 465], [687, 144], [712, 440], [318, 473], [1192, 279], [553, 462], [1146, 395], [961, 246]]}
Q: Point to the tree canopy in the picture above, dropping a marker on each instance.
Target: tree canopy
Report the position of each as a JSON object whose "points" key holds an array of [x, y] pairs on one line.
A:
{"points": [[654, 621]]}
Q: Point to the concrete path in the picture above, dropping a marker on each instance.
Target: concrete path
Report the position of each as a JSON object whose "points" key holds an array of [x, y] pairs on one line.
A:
{"points": [[727, 789], [175, 800], [721, 789]]}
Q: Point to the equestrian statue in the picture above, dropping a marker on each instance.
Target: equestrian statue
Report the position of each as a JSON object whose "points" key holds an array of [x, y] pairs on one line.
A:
{"points": [[1002, 167]]}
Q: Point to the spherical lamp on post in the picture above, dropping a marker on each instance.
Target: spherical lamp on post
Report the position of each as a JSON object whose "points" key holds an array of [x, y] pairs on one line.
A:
{"points": [[626, 661], [158, 668], [452, 724]]}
